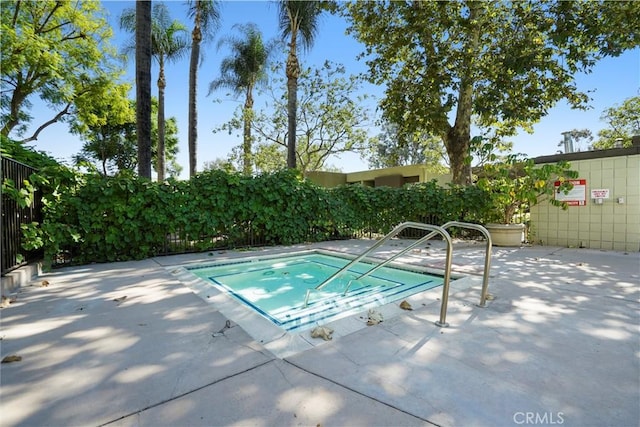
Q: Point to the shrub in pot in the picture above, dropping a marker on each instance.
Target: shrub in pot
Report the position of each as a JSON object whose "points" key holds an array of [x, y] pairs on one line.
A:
{"points": [[515, 184]]}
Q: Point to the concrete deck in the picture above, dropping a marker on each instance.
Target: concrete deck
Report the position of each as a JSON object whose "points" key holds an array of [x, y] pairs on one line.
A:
{"points": [[559, 345]]}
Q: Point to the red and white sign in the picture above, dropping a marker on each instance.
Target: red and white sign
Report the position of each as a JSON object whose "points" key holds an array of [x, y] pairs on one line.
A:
{"points": [[600, 194], [577, 196]]}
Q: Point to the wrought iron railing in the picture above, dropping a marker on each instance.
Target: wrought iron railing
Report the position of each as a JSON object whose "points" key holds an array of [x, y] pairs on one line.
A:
{"points": [[13, 216]]}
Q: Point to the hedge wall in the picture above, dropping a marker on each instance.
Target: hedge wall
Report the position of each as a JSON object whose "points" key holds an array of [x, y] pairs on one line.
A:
{"points": [[100, 219]]}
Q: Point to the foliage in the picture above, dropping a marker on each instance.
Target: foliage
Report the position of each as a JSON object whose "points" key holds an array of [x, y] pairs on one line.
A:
{"points": [[517, 183], [242, 72], [49, 179], [107, 127], [24, 154], [56, 50], [392, 148], [623, 123], [23, 193], [93, 218], [332, 119], [111, 141], [501, 64]]}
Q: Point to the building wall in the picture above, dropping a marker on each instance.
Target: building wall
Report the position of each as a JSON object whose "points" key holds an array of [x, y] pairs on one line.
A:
{"points": [[327, 179], [612, 225], [392, 177]]}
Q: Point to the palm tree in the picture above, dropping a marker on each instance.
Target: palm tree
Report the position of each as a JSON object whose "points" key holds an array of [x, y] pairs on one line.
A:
{"points": [[298, 22], [242, 72], [168, 43], [143, 86], [206, 19]]}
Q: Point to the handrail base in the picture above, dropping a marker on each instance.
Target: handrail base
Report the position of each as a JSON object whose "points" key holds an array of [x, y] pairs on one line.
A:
{"points": [[441, 324]]}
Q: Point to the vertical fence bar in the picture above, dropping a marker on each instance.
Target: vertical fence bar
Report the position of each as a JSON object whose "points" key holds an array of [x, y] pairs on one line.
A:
{"points": [[13, 216]]}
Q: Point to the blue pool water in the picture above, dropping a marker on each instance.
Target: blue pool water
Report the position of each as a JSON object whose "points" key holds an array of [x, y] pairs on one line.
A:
{"points": [[276, 287]]}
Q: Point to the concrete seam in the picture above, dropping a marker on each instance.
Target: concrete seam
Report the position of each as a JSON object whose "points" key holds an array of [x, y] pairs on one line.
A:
{"points": [[187, 393], [359, 393]]}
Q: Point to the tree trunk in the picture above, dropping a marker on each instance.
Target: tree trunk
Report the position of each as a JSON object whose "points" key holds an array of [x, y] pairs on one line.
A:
{"points": [[458, 138], [17, 98], [143, 86], [247, 160], [457, 143], [293, 71], [193, 91], [162, 84]]}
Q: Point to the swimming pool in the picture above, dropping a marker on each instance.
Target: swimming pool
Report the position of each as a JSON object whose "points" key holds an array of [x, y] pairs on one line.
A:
{"points": [[275, 287]]}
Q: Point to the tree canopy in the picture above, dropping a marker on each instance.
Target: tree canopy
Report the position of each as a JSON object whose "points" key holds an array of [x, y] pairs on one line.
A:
{"points": [[109, 136], [56, 50], [392, 148], [623, 123], [501, 64], [332, 118], [242, 71]]}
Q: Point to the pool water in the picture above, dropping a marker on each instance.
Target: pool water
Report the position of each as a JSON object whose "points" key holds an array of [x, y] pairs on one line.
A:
{"points": [[276, 287]]}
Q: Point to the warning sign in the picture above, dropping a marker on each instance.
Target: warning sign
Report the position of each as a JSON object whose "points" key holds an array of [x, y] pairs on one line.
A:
{"points": [[600, 194], [577, 196]]}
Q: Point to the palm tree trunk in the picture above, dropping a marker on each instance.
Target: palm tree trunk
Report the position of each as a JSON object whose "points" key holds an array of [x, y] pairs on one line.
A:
{"points": [[143, 86], [247, 161], [162, 84], [193, 83], [293, 70]]}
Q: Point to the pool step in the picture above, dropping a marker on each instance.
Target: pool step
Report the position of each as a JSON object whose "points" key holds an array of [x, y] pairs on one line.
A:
{"points": [[356, 300]]}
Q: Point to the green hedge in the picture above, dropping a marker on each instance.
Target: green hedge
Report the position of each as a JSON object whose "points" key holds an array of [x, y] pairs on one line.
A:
{"points": [[92, 218]]}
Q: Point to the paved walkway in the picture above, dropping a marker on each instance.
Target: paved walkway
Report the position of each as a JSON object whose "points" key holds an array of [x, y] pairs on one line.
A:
{"points": [[128, 344]]}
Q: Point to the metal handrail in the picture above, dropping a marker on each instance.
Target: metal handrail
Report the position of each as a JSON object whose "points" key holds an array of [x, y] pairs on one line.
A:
{"points": [[484, 293], [447, 271], [487, 257]]}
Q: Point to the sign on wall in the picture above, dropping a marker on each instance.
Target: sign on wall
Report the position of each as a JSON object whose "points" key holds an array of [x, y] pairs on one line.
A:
{"points": [[577, 196], [600, 194]]}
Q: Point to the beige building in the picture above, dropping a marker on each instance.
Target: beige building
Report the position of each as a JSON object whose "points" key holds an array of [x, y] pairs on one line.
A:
{"points": [[604, 211], [391, 177]]}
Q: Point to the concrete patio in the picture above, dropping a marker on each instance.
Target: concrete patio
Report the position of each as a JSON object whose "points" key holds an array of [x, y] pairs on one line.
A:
{"points": [[129, 344]]}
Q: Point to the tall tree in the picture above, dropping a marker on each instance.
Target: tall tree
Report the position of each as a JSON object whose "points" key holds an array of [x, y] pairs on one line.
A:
{"points": [[108, 128], [241, 72], [504, 64], [332, 119], [393, 148], [168, 43], [206, 19], [143, 86], [57, 51], [298, 21], [623, 123]]}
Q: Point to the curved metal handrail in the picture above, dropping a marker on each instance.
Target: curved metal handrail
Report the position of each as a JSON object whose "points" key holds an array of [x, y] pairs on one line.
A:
{"points": [[487, 256], [484, 293], [434, 231]]}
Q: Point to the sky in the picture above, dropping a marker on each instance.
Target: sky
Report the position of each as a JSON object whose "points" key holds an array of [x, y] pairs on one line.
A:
{"points": [[611, 81]]}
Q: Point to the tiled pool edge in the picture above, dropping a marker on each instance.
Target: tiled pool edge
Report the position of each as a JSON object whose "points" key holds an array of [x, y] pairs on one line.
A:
{"points": [[283, 344]]}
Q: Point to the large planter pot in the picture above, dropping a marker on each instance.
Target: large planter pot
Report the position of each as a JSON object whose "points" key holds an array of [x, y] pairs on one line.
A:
{"points": [[506, 234]]}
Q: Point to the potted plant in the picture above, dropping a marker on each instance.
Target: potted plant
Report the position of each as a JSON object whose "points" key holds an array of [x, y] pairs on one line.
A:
{"points": [[515, 184]]}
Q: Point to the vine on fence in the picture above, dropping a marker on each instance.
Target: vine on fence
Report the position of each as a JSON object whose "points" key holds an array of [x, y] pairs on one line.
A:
{"points": [[93, 218]]}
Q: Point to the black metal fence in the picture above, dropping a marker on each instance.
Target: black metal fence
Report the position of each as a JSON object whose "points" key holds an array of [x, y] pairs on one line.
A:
{"points": [[13, 216]]}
